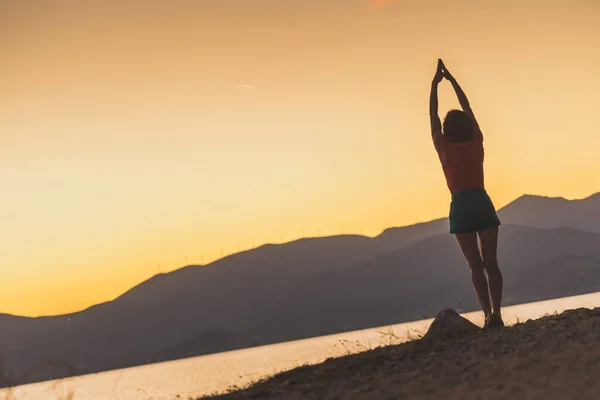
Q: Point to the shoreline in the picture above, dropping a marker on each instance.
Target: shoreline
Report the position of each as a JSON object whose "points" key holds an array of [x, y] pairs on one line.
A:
{"points": [[553, 357]]}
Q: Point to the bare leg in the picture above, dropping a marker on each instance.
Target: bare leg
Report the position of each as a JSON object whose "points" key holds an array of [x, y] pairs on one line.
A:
{"points": [[470, 249], [489, 250]]}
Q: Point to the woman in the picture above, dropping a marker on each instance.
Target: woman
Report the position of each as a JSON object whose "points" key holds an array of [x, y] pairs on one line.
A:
{"points": [[472, 214]]}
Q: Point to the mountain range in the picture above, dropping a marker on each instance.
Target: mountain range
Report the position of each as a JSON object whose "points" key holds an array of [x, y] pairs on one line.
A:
{"points": [[549, 247]]}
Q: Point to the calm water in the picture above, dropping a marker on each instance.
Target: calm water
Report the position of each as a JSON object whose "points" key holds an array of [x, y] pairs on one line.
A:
{"points": [[204, 375]]}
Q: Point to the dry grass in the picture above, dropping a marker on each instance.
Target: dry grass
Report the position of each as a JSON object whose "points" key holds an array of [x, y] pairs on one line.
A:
{"points": [[555, 357]]}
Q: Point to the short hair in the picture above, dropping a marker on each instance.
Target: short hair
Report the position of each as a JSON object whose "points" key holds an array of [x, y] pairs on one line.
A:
{"points": [[458, 126]]}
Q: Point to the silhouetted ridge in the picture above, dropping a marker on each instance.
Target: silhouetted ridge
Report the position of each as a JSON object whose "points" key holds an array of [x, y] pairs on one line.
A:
{"points": [[554, 212], [594, 197]]}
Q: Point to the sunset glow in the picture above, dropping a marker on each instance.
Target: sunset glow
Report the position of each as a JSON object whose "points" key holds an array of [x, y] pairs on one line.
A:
{"points": [[138, 137]]}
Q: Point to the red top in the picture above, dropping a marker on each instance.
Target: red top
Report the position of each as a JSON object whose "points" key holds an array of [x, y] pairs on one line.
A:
{"points": [[464, 163]]}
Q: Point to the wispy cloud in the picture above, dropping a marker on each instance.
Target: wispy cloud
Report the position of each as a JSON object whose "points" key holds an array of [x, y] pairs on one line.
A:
{"points": [[245, 86], [375, 4]]}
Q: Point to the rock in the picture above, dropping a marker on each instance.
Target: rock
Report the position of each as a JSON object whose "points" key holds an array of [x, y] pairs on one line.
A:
{"points": [[448, 323]]}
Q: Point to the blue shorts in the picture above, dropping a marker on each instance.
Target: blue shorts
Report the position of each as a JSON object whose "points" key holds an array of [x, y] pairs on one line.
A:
{"points": [[471, 211]]}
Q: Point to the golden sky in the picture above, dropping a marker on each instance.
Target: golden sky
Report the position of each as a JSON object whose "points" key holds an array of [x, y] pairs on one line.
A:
{"points": [[138, 135]]}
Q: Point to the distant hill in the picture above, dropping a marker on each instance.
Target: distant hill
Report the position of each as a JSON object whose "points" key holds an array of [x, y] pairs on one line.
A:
{"points": [[415, 283], [393, 239], [527, 210], [311, 287], [554, 212]]}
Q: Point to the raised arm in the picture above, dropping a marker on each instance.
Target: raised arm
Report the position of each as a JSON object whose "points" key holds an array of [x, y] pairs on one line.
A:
{"points": [[462, 97], [436, 124]]}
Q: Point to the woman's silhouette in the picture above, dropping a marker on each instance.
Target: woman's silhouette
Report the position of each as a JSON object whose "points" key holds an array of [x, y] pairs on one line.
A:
{"points": [[472, 214]]}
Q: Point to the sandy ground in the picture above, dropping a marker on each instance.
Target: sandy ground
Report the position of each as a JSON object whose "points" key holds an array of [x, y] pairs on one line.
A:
{"points": [[555, 357]]}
